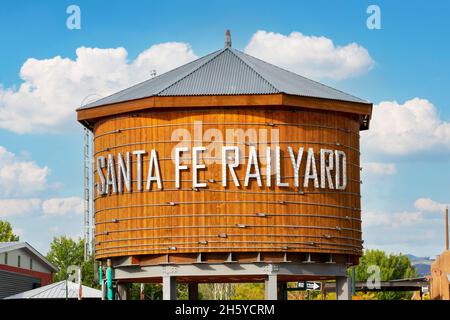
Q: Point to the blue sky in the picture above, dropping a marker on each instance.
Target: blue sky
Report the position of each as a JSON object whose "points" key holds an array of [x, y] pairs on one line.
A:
{"points": [[409, 58]]}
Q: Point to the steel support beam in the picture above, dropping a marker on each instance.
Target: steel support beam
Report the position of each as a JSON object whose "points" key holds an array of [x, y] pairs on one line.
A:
{"points": [[193, 290], [169, 287], [123, 291], [343, 288], [271, 287], [282, 291], [130, 272], [103, 288]]}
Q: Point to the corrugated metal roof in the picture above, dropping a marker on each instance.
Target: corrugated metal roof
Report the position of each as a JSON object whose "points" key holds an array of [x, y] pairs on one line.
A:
{"points": [[226, 72], [291, 83], [57, 290], [5, 245]]}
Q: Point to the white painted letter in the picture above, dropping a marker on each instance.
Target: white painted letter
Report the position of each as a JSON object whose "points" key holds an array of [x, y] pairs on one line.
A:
{"points": [[268, 167], [278, 161], [325, 169], [225, 164], [111, 175], [153, 165], [311, 164], [139, 154], [101, 189], [178, 166], [296, 164], [252, 161], [196, 166], [123, 172], [341, 185]]}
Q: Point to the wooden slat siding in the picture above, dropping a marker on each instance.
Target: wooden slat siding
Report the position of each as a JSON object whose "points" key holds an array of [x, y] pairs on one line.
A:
{"points": [[255, 100], [248, 197]]}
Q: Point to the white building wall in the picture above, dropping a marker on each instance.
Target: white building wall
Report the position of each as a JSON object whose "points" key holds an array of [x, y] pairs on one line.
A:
{"points": [[13, 260]]}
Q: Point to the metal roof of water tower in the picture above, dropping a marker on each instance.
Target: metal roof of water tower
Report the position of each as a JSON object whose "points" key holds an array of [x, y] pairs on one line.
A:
{"points": [[226, 72]]}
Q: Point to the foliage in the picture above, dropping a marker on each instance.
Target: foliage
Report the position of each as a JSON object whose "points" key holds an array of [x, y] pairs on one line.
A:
{"points": [[216, 291], [249, 291], [65, 252], [6, 232], [392, 267], [182, 291], [89, 273], [152, 291]]}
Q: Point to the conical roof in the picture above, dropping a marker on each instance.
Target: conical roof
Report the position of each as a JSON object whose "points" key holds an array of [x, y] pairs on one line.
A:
{"points": [[226, 72]]}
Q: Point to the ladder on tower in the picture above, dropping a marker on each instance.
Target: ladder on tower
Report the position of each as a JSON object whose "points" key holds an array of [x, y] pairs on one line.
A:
{"points": [[87, 195]]}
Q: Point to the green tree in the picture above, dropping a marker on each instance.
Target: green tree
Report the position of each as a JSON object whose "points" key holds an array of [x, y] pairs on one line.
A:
{"points": [[65, 252], [392, 267], [216, 291], [152, 291], [249, 291], [6, 232], [89, 270]]}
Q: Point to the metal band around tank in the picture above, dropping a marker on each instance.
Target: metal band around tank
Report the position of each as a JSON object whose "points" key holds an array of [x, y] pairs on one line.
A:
{"points": [[225, 202], [337, 144], [213, 215], [119, 130], [229, 235], [232, 191], [234, 226]]}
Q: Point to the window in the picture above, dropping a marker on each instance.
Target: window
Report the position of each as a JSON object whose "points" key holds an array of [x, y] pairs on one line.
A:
{"points": [[31, 264], [6, 257], [18, 261]]}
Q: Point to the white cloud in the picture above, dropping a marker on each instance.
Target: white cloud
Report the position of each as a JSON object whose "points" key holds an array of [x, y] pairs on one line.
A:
{"points": [[393, 220], [161, 57], [15, 207], [53, 88], [379, 168], [20, 177], [62, 206], [428, 205], [402, 129], [417, 231], [310, 56], [396, 219]]}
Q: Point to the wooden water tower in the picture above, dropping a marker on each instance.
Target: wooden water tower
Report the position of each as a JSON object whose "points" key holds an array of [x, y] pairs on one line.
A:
{"points": [[215, 224]]}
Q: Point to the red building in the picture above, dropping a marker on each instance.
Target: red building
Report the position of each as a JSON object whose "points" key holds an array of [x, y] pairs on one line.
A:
{"points": [[22, 268]]}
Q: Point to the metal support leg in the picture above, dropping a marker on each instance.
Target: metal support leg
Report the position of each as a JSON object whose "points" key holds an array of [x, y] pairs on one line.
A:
{"points": [[343, 288], [282, 290], [104, 290], [193, 291], [271, 287], [169, 288], [123, 290]]}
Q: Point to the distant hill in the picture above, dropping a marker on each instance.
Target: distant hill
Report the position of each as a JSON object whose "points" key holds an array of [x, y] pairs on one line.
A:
{"points": [[422, 264]]}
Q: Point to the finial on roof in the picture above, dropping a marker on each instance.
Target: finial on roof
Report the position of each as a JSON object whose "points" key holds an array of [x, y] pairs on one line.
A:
{"points": [[227, 39]]}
